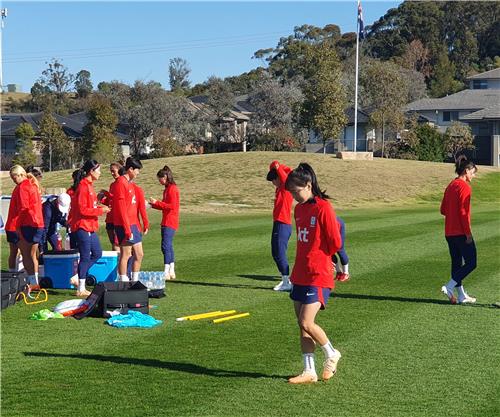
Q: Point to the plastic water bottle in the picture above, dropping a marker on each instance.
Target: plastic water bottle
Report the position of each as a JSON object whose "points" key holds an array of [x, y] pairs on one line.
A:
{"points": [[59, 245], [67, 242]]}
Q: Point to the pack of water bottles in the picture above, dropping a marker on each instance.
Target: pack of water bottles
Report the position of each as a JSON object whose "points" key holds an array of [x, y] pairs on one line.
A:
{"points": [[154, 282]]}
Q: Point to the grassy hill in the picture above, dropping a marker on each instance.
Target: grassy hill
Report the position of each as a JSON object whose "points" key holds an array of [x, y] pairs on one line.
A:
{"points": [[6, 98], [235, 182]]}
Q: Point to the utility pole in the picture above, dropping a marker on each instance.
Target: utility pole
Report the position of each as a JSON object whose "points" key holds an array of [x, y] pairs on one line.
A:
{"points": [[3, 13]]}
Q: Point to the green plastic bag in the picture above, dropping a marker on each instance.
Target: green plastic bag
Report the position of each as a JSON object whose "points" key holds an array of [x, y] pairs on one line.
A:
{"points": [[46, 314]]}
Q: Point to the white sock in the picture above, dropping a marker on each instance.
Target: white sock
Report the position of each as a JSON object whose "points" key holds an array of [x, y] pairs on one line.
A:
{"points": [[81, 285], [135, 276], [285, 279], [124, 278], [328, 350], [167, 269], [461, 292], [451, 285], [172, 270], [346, 268], [309, 363], [36, 277]]}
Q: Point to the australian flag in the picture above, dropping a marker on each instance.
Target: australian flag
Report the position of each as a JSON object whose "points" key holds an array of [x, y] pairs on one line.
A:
{"points": [[361, 23]]}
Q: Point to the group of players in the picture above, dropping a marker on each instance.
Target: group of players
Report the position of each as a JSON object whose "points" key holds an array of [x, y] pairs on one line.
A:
{"points": [[79, 208]]}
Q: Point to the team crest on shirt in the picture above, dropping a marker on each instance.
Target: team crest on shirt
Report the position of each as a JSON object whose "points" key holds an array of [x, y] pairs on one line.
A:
{"points": [[313, 221]]}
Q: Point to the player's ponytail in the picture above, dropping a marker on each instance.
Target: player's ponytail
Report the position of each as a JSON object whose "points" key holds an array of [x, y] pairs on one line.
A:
{"points": [[166, 172], [301, 176], [79, 175], [462, 164]]}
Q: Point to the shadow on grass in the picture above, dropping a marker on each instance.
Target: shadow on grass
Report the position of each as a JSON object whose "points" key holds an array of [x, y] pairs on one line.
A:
{"points": [[260, 277], [218, 284], [171, 366], [405, 299]]}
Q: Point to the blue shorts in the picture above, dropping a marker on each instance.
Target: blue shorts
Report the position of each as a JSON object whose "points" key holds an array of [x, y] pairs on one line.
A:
{"points": [[12, 237], [307, 294], [110, 226], [32, 234], [120, 234]]}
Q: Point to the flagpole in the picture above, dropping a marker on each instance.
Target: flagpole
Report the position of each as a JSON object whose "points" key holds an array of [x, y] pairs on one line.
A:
{"points": [[356, 84]]}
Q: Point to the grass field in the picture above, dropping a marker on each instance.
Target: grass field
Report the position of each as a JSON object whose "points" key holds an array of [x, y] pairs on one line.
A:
{"points": [[406, 351]]}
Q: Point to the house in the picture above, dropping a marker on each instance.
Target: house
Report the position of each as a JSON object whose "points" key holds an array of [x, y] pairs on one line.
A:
{"points": [[72, 126], [365, 136], [477, 106]]}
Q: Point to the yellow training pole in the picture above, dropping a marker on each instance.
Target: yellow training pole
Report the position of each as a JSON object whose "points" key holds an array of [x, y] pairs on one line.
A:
{"points": [[211, 315], [236, 316]]}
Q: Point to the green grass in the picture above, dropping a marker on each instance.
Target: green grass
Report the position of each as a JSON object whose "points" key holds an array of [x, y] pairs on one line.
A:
{"points": [[406, 351]]}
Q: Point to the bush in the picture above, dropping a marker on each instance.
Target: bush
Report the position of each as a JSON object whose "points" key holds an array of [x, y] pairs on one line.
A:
{"points": [[276, 140], [430, 145]]}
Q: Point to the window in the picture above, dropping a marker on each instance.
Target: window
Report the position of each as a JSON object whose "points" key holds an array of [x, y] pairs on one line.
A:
{"points": [[450, 116], [479, 84]]}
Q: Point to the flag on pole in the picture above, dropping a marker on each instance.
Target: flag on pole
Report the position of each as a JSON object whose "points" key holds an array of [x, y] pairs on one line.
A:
{"points": [[361, 23]]}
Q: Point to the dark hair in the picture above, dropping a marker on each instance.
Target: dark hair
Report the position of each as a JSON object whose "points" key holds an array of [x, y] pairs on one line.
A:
{"points": [[462, 164], [272, 175], [117, 164], [132, 163], [80, 174], [166, 172], [34, 171], [303, 174]]}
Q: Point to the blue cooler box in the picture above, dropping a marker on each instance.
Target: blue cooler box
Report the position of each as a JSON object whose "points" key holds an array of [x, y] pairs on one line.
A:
{"points": [[59, 267], [105, 269]]}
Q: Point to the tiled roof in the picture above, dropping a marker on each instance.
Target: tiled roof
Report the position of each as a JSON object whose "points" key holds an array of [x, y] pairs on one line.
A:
{"points": [[488, 75], [463, 100], [492, 112]]}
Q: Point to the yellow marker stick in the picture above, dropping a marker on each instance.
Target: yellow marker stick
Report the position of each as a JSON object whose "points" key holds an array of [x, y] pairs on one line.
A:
{"points": [[195, 315], [236, 316], [211, 315]]}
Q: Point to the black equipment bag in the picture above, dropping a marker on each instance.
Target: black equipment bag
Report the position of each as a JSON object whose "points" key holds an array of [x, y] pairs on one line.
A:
{"points": [[12, 284]]}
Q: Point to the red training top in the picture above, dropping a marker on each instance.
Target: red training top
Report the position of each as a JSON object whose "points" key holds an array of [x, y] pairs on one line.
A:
{"points": [[170, 206], [108, 200], [85, 209], [318, 239], [456, 208], [124, 204], [141, 208], [282, 211], [12, 217], [27, 202]]}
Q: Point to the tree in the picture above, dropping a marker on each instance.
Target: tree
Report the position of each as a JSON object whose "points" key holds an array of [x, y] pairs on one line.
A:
{"points": [[443, 81], [388, 93], [83, 85], [41, 97], [220, 101], [325, 103], [119, 95], [164, 144], [416, 58], [458, 138], [99, 141], [57, 149], [430, 144], [179, 71], [25, 154], [57, 77]]}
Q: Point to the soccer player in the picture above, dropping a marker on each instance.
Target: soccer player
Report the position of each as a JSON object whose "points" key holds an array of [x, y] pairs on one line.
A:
{"points": [[456, 209], [116, 169], [125, 220], [318, 238], [26, 202], [69, 222], [170, 218], [55, 210], [342, 269], [282, 222], [85, 212]]}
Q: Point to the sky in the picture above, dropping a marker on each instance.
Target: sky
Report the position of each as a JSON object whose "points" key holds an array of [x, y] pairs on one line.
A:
{"points": [[131, 40]]}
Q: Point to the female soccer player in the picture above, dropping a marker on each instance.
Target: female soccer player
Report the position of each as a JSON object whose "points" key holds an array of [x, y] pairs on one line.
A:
{"points": [[170, 218], [457, 230], [282, 222], [124, 220], [26, 202], [342, 268], [318, 238], [85, 212]]}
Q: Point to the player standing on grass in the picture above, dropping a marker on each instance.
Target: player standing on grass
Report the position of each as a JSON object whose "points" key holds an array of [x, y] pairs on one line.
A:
{"points": [[341, 268], [318, 238], [125, 220], [84, 222], [456, 209], [282, 222], [170, 218]]}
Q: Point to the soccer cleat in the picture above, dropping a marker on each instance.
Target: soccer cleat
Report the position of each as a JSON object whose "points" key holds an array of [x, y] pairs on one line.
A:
{"points": [[466, 300], [342, 277], [449, 294], [82, 294], [330, 366], [304, 378], [283, 286]]}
